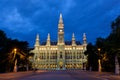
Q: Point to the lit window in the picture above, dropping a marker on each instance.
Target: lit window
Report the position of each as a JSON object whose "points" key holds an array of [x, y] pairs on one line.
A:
{"points": [[73, 47]]}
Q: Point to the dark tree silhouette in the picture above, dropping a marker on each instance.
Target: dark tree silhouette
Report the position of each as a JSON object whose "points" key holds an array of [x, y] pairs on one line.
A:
{"points": [[6, 47], [92, 57]]}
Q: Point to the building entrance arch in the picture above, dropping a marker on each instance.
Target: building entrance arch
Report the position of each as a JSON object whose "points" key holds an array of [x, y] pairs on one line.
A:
{"points": [[61, 65]]}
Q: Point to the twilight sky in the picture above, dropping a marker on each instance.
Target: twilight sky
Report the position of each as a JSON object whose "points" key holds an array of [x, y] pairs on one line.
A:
{"points": [[23, 19]]}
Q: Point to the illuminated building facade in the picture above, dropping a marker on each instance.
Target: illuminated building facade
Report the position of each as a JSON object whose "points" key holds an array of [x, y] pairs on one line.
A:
{"points": [[59, 55]]}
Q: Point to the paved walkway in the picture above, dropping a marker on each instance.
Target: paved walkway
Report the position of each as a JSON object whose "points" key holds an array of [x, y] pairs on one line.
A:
{"points": [[59, 75], [97, 75], [12, 75]]}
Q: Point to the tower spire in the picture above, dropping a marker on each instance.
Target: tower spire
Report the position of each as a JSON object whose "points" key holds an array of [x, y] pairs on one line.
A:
{"points": [[48, 40], [73, 40], [37, 41], [60, 20], [84, 39]]}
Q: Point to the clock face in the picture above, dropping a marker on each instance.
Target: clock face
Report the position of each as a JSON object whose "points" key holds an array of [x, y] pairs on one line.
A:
{"points": [[61, 30]]}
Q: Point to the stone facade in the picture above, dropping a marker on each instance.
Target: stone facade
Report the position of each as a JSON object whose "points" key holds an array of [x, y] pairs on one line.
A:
{"points": [[59, 55]]}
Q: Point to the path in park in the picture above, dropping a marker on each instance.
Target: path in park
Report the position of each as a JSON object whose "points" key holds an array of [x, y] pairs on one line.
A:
{"points": [[59, 75]]}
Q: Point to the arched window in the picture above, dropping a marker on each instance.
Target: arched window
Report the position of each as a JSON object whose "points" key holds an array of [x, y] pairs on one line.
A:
{"points": [[61, 55]]}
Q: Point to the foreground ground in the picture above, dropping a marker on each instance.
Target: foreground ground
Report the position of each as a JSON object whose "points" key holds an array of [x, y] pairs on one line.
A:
{"points": [[59, 75]]}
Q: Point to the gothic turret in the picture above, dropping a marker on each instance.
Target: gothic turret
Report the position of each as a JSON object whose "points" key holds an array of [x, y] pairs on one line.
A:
{"points": [[84, 39], [48, 40], [84, 42], [37, 41], [60, 31], [73, 40]]}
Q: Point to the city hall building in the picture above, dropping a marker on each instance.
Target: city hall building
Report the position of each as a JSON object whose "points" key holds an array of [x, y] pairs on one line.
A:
{"points": [[59, 55]]}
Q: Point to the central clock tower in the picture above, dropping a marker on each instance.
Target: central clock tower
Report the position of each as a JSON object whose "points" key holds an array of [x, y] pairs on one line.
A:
{"points": [[61, 51], [61, 31]]}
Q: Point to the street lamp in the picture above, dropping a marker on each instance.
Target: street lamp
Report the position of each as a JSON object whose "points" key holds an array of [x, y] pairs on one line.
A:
{"points": [[99, 62], [15, 65]]}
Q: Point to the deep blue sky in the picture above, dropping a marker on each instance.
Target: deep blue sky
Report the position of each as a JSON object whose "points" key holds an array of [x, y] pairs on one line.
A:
{"points": [[23, 19]]}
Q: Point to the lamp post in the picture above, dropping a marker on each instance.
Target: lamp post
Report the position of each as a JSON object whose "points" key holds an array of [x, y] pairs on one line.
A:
{"points": [[99, 61], [15, 65]]}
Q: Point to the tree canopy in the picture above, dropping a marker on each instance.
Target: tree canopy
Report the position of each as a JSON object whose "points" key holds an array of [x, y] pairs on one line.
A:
{"points": [[6, 47], [109, 47]]}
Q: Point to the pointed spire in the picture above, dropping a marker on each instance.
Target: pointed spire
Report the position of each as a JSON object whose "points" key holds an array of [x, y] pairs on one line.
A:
{"points": [[60, 15], [73, 40], [60, 19], [84, 38], [48, 40], [37, 41], [37, 37], [73, 36]]}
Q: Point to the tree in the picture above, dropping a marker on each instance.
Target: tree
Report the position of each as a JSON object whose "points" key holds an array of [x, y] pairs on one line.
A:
{"points": [[21, 53], [3, 51], [104, 55], [115, 36], [6, 56], [110, 46], [92, 57], [14, 56]]}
